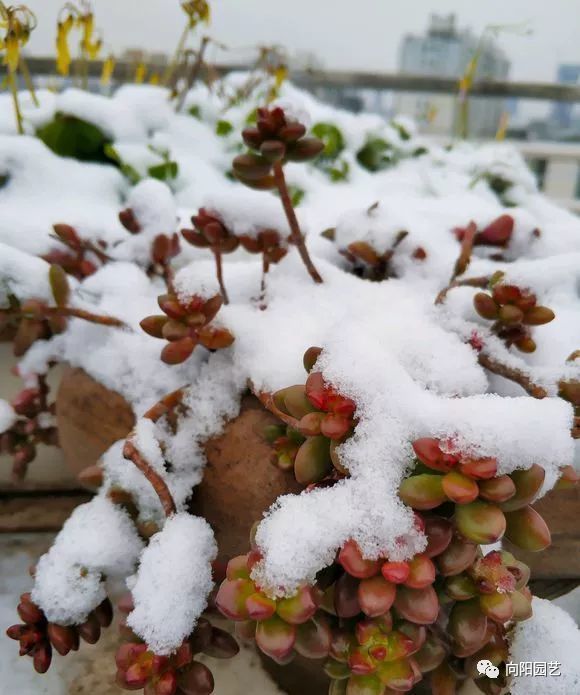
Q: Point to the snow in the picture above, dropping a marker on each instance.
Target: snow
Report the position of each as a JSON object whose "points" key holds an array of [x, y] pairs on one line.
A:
{"points": [[22, 275], [174, 579], [98, 541], [550, 635], [7, 416], [405, 362]]}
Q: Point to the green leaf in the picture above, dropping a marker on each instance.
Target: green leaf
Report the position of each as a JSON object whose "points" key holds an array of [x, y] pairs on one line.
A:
{"points": [[126, 169], [339, 172], [166, 171], [195, 111], [69, 136], [223, 128], [59, 285], [252, 117], [377, 154], [296, 195], [331, 137], [403, 132]]}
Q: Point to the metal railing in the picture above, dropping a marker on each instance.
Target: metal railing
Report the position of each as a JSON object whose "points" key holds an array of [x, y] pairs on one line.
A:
{"points": [[399, 82], [559, 162]]}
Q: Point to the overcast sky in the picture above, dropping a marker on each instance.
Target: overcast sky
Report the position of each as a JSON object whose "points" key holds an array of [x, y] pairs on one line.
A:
{"points": [[355, 34]]}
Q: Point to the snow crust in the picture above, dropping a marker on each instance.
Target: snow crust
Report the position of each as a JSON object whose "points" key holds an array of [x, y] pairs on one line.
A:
{"points": [[550, 635], [172, 583], [98, 540], [7, 416]]}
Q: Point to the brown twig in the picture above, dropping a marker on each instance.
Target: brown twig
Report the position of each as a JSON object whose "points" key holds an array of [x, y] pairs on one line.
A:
{"points": [[296, 235], [513, 374], [220, 273], [73, 312], [463, 260], [195, 71], [265, 269], [267, 400], [481, 282], [131, 453], [164, 406]]}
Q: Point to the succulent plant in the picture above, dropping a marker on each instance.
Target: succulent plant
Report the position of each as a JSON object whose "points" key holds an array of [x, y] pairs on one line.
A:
{"points": [[186, 324], [514, 311]]}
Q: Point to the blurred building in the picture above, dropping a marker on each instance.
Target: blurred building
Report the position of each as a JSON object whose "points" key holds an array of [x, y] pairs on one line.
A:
{"points": [[445, 51]]}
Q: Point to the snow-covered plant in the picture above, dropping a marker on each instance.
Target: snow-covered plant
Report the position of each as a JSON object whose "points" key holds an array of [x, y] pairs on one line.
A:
{"points": [[439, 402]]}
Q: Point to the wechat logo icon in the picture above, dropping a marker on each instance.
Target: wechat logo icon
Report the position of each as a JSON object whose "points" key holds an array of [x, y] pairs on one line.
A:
{"points": [[486, 668]]}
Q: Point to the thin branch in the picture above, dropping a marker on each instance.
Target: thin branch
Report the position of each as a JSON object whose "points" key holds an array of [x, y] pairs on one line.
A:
{"points": [[481, 282], [296, 235], [267, 400], [165, 406], [462, 262], [220, 274], [131, 453], [513, 374], [73, 312], [195, 71]]}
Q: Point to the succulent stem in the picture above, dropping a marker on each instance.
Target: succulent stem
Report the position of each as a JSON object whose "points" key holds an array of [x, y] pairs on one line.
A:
{"points": [[295, 233], [267, 400], [73, 312], [220, 275], [165, 406], [462, 262], [480, 282], [131, 453], [512, 374]]}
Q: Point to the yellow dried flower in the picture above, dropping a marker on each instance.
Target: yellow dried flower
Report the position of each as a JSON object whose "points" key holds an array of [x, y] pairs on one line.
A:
{"points": [[108, 70]]}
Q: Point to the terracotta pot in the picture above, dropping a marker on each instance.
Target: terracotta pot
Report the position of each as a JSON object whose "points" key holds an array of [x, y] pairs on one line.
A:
{"points": [[239, 483], [90, 418]]}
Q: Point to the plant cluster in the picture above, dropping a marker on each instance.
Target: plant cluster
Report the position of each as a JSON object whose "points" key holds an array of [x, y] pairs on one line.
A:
{"points": [[179, 674], [383, 626], [513, 310], [186, 324], [81, 256], [34, 424], [378, 625], [38, 637]]}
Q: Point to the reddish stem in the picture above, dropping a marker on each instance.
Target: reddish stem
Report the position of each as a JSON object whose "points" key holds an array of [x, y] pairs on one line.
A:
{"points": [[513, 374], [296, 235], [73, 312], [480, 282], [166, 404], [163, 407], [220, 275], [131, 453], [265, 269], [267, 400]]}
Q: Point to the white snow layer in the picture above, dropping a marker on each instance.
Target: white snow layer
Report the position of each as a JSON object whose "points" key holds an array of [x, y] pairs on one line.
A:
{"points": [[173, 581], [550, 637], [7, 416], [99, 540]]}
